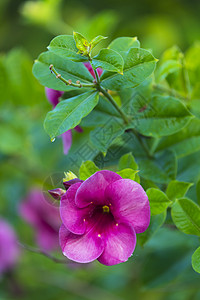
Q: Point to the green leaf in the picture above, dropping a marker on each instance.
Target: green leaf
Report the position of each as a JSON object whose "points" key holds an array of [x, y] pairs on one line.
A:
{"points": [[184, 142], [109, 60], [128, 173], [168, 163], [124, 43], [65, 46], [151, 171], [67, 68], [68, 113], [127, 161], [167, 68], [186, 216], [198, 191], [196, 260], [103, 135], [95, 41], [177, 189], [163, 116], [155, 223], [87, 169], [138, 65], [158, 201], [81, 43]]}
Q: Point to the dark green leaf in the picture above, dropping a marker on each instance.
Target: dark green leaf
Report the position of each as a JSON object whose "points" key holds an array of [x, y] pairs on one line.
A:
{"points": [[109, 60], [124, 43], [138, 65], [67, 68], [69, 113], [103, 135], [185, 142], [163, 116], [65, 46], [155, 223]]}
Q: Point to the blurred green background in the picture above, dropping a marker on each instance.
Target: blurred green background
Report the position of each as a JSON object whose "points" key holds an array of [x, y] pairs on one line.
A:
{"points": [[161, 270]]}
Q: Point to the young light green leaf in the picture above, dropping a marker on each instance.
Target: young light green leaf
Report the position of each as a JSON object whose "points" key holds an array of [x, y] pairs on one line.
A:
{"points": [[124, 43], [81, 43], [127, 161], [87, 169], [196, 260], [69, 113], [186, 216], [67, 68], [109, 60], [177, 189], [158, 201], [128, 173], [155, 223], [95, 41], [163, 116], [65, 46], [138, 65]]}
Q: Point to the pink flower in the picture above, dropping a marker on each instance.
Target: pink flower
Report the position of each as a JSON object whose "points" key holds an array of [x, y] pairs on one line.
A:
{"points": [[90, 69], [101, 217], [43, 217], [9, 250], [53, 97]]}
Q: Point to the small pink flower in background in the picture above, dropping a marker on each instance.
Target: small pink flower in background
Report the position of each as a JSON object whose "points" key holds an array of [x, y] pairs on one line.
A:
{"points": [[90, 69], [9, 250], [43, 217], [53, 97], [101, 217]]}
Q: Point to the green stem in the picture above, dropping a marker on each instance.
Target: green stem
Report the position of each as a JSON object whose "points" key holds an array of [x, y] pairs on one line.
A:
{"points": [[112, 101], [171, 92], [69, 82], [124, 117], [38, 251]]}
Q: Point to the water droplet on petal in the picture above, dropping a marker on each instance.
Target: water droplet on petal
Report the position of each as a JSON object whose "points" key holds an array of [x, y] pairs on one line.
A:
{"points": [[53, 139]]}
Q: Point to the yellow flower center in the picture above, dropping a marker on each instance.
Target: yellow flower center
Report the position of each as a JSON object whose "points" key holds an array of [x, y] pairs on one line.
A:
{"points": [[106, 209]]}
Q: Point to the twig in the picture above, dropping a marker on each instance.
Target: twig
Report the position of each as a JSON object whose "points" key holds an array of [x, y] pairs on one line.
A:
{"points": [[69, 81], [41, 252]]}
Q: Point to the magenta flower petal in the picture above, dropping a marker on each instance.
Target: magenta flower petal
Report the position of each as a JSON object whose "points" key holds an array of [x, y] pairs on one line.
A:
{"points": [[67, 141], [80, 248], [56, 193], [90, 69], [73, 217], [129, 203], [78, 129], [53, 95], [68, 183], [9, 250], [92, 190], [43, 217], [120, 244]]}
